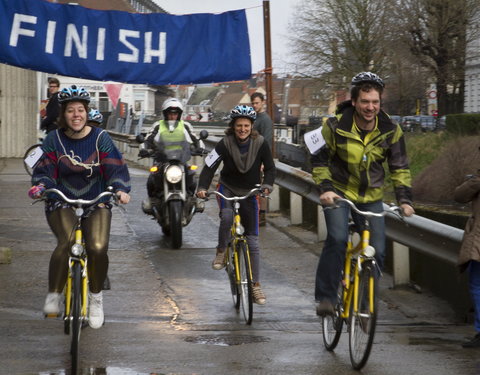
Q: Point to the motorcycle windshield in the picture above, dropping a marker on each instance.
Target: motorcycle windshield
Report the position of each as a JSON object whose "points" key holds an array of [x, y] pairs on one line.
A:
{"points": [[179, 151]]}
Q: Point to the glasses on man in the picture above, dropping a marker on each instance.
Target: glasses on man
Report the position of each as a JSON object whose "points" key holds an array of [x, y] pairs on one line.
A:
{"points": [[52, 86]]}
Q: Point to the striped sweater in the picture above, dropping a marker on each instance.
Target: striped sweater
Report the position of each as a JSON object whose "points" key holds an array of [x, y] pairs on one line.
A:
{"points": [[81, 168]]}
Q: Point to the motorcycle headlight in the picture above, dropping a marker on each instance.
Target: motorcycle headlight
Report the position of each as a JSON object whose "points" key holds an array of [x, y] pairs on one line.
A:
{"points": [[173, 174], [77, 249]]}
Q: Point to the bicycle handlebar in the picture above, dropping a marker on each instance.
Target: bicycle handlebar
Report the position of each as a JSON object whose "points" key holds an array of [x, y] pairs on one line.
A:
{"points": [[79, 202], [249, 194], [393, 209]]}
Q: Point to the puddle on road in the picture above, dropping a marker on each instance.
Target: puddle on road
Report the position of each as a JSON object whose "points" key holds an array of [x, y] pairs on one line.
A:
{"points": [[104, 371], [226, 340]]}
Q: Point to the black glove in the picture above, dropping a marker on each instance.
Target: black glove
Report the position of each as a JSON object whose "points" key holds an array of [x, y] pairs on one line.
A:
{"points": [[144, 153]]}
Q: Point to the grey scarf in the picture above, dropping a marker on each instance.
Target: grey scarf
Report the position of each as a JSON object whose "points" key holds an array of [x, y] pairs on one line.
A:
{"points": [[243, 161]]}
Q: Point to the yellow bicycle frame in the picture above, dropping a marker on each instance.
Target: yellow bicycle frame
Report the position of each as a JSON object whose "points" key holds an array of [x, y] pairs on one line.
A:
{"points": [[68, 289], [236, 239], [347, 279]]}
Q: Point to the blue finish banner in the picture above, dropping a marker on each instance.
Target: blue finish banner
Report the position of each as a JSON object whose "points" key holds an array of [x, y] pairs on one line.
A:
{"points": [[154, 48]]}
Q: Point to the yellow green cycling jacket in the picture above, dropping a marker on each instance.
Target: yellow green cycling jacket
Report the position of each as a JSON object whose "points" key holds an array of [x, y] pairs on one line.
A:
{"points": [[354, 166]]}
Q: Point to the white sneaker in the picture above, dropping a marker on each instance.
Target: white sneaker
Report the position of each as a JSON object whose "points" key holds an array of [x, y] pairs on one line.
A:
{"points": [[52, 304], [95, 310]]}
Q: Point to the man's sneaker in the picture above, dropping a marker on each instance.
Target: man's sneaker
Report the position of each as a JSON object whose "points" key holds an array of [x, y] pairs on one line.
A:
{"points": [[199, 206], [258, 295], [473, 343], [95, 310], [219, 261], [147, 206], [52, 304], [324, 308]]}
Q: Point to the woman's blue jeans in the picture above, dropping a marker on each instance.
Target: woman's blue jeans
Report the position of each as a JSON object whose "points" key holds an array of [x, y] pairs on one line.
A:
{"points": [[474, 284], [332, 259]]}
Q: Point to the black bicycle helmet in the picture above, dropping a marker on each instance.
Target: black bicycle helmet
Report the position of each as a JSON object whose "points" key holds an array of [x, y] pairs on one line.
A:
{"points": [[73, 93], [367, 77]]}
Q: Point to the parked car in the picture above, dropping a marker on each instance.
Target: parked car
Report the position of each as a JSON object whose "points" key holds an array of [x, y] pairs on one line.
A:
{"points": [[427, 123], [409, 123], [442, 123], [396, 119]]}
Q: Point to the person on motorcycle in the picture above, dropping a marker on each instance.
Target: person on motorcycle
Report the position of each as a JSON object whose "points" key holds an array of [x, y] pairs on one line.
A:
{"points": [[243, 151], [172, 129]]}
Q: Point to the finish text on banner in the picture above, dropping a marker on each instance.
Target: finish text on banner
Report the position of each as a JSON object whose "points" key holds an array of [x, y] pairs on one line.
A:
{"points": [[126, 47]]}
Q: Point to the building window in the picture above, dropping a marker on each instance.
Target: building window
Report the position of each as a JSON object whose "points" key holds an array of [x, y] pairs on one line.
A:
{"points": [[103, 102]]}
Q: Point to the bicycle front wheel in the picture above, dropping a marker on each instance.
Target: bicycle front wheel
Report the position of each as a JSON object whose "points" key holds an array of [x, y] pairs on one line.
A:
{"points": [[332, 324], [230, 268], [29, 156], [245, 286], [363, 322], [76, 311]]}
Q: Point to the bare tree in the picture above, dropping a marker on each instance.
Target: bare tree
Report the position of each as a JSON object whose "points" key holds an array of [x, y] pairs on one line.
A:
{"points": [[338, 38], [436, 32]]}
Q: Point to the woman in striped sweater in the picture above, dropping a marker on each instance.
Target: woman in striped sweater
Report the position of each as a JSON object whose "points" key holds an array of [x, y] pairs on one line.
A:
{"points": [[81, 161]]}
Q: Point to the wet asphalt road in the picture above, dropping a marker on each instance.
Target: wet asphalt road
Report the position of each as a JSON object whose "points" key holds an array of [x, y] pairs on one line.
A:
{"points": [[168, 312]]}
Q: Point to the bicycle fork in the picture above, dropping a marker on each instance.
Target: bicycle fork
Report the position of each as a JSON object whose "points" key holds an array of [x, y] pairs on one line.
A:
{"points": [[84, 287]]}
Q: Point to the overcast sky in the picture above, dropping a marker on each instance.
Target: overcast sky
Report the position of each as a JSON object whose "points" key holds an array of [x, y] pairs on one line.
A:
{"points": [[281, 12]]}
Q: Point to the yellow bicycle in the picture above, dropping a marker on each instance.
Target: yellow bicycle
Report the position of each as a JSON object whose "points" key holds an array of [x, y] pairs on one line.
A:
{"points": [[76, 287], [237, 259], [357, 304]]}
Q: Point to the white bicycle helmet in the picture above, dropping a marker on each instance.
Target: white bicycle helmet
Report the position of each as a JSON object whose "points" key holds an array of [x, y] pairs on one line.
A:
{"points": [[243, 111]]}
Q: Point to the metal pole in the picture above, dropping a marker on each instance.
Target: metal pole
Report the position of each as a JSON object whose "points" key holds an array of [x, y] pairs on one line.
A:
{"points": [[268, 66]]}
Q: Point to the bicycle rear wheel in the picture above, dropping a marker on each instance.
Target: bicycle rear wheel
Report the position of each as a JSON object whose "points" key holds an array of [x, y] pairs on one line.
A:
{"points": [[30, 154], [76, 312], [332, 324], [364, 321], [246, 286]]}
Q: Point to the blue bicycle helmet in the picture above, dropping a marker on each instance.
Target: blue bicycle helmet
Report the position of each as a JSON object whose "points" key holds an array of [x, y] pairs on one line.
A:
{"points": [[73, 93], [95, 116], [243, 111], [367, 77]]}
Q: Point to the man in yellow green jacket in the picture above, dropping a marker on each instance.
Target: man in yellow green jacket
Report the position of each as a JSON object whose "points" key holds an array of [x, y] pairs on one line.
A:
{"points": [[358, 140]]}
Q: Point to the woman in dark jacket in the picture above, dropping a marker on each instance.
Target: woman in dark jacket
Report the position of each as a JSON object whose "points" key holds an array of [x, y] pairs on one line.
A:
{"points": [[469, 256], [243, 152]]}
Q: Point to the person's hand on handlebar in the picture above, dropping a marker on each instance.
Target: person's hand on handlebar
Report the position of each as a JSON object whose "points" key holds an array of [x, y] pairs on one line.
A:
{"points": [[202, 194], [328, 198], [123, 197], [36, 191], [407, 210]]}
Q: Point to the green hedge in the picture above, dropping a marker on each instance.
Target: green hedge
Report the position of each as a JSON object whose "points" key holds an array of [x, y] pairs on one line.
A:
{"points": [[463, 123]]}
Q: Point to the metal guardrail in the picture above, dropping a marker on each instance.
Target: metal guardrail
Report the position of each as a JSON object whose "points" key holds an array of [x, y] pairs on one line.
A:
{"points": [[431, 238]]}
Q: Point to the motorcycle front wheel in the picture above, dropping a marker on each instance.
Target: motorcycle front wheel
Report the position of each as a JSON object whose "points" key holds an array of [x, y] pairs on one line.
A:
{"points": [[175, 216]]}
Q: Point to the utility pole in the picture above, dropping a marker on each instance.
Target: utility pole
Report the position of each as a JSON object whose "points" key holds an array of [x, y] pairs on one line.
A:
{"points": [[268, 66]]}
